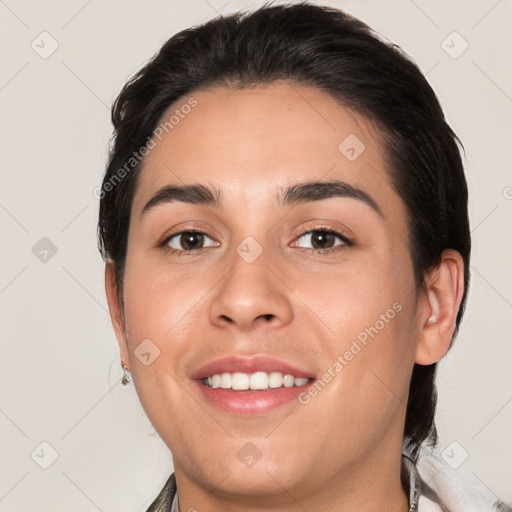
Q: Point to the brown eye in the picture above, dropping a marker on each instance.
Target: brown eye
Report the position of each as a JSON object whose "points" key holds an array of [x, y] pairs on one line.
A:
{"points": [[320, 239], [189, 241]]}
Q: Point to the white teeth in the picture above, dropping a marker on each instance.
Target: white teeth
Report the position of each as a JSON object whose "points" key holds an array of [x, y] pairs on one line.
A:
{"points": [[239, 381], [215, 381], [258, 380], [225, 381], [288, 381], [275, 380]]}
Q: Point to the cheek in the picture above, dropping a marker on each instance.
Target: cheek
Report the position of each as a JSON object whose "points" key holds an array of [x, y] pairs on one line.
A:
{"points": [[158, 300], [161, 312], [154, 306], [368, 313], [354, 295]]}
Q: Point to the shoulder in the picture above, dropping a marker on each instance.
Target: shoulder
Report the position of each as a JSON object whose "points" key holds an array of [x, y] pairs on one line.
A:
{"points": [[443, 488], [426, 505]]}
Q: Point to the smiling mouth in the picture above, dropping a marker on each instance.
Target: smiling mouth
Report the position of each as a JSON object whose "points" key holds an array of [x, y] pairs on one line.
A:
{"points": [[257, 381]]}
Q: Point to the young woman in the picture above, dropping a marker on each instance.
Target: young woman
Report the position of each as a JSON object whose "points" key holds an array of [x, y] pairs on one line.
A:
{"points": [[284, 223]]}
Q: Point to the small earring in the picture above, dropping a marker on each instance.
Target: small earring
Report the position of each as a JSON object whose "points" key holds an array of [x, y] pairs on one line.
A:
{"points": [[432, 319], [127, 376]]}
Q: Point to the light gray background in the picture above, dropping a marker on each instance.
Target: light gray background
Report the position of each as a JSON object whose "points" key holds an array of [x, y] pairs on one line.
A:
{"points": [[59, 366]]}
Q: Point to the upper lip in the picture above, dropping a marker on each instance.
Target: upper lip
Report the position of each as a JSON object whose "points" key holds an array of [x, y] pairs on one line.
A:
{"points": [[232, 364]]}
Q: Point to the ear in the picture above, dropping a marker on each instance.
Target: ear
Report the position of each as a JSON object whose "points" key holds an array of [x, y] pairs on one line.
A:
{"points": [[116, 311], [439, 307]]}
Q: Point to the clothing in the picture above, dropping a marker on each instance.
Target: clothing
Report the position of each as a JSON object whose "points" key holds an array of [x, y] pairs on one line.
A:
{"points": [[444, 492], [164, 501]]}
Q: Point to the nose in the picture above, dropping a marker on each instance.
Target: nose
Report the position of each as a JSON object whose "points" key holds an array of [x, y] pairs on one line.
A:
{"points": [[251, 296]]}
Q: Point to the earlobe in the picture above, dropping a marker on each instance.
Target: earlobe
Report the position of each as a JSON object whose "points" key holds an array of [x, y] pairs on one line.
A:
{"points": [[439, 308], [116, 311]]}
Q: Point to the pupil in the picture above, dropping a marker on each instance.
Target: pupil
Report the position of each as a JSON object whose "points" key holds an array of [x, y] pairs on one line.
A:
{"points": [[191, 240], [322, 239]]}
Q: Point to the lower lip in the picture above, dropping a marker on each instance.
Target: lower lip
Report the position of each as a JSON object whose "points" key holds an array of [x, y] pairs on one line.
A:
{"points": [[250, 403]]}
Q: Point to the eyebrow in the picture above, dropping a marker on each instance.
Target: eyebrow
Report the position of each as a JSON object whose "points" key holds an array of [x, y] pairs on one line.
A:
{"points": [[298, 193], [193, 194], [318, 191]]}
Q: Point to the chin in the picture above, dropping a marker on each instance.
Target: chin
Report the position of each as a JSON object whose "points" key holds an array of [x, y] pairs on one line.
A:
{"points": [[244, 468], [247, 484]]}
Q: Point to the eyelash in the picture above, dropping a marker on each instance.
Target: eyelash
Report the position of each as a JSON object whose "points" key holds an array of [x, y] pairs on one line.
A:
{"points": [[164, 244]]}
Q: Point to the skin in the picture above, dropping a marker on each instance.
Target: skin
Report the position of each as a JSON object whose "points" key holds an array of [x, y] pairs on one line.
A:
{"points": [[342, 450]]}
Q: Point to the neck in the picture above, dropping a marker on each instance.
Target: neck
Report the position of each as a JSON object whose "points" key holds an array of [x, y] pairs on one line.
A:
{"points": [[373, 484]]}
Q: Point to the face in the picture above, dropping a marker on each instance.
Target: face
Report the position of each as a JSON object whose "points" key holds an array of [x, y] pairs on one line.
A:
{"points": [[263, 272]]}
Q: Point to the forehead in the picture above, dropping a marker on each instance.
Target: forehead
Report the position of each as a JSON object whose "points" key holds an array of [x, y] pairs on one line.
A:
{"points": [[245, 141]]}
